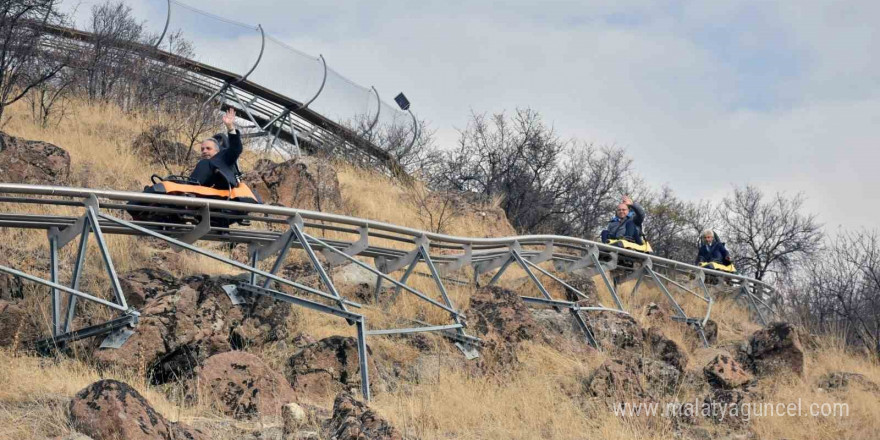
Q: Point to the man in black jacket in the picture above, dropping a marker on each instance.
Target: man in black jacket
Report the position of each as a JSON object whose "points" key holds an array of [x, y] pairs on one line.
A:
{"points": [[711, 249], [219, 154]]}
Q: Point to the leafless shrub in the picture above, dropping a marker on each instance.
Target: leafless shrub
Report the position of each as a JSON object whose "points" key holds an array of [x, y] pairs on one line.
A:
{"points": [[437, 210], [48, 100], [768, 236], [839, 289], [23, 61]]}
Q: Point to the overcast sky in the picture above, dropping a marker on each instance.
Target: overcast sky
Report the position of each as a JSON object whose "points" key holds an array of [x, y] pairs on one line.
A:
{"points": [[784, 95]]}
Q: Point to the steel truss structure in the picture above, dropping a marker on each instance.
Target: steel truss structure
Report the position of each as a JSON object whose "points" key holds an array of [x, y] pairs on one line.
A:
{"points": [[388, 247], [272, 114]]}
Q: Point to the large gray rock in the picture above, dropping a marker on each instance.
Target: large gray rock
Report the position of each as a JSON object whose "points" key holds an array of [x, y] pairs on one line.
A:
{"points": [[141, 285], [111, 410], [665, 349], [325, 368], [181, 327], [775, 349], [631, 376], [24, 161], [725, 372], [16, 326], [303, 182], [241, 385], [354, 420], [616, 331], [501, 319], [156, 144], [11, 287], [842, 381]]}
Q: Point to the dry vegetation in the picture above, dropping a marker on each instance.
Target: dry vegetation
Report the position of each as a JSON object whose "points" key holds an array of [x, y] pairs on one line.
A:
{"points": [[540, 398]]}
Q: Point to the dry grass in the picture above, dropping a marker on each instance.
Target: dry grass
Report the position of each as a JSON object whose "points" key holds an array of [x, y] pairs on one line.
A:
{"points": [[35, 393]]}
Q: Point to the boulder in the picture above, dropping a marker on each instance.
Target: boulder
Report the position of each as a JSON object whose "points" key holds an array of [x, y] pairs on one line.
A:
{"points": [[11, 287], [561, 326], [109, 410], [724, 407], [293, 417], [632, 377], [711, 331], [665, 349], [303, 182], [142, 284], [156, 145], [615, 377], [775, 349], [658, 377], [326, 367], [16, 327], [37, 162], [655, 312], [355, 281], [584, 283], [725, 372], [616, 331], [841, 380], [181, 327], [502, 320], [241, 385], [354, 420]]}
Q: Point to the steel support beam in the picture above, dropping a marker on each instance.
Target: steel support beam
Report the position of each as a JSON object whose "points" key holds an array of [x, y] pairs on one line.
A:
{"points": [[228, 261]]}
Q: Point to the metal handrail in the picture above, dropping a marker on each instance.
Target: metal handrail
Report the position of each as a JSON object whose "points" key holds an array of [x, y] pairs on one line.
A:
{"points": [[372, 225]]}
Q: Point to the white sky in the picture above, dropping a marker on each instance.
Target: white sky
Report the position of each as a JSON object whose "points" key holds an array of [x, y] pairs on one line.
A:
{"points": [[784, 95]]}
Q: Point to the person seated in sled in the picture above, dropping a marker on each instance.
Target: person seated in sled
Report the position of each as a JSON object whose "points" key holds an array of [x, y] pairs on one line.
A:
{"points": [[219, 156], [626, 225], [711, 250]]}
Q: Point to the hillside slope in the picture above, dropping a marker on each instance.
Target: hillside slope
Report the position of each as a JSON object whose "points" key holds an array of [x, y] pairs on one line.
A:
{"points": [[537, 377]]}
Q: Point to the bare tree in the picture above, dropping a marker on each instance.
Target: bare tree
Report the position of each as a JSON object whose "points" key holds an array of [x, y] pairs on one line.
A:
{"points": [[110, 58], [411, 149], [603, 175], [667, 225], [517, 158], [839, 290], [48, 100], [768, 236], [23, 64]]}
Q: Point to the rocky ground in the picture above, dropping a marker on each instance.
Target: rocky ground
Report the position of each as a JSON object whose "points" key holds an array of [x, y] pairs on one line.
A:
{"points": [[199, 367]]}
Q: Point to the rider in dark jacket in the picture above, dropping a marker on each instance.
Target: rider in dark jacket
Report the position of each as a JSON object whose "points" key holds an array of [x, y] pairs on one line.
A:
{"points": [[626, 224], [219, 154], [712, 249]]}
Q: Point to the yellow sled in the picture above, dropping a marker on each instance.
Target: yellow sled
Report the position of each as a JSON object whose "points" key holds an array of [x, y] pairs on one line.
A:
{"points": [[626, 244], [718, 266]]}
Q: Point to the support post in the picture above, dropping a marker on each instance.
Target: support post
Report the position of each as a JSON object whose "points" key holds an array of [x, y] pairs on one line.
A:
{"points": [[591, 339], [423, 248], [605, 279], [77, 273], [751, 300], [301, 237], [666, 292], [362, 358], [519, 259], [276, 266], [500, 271], [403, 280], [91, 209], [53, 276], [255, 258]]}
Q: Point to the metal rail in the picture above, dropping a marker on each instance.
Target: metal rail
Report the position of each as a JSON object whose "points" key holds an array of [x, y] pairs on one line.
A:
{"points": [[391, 247]]}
